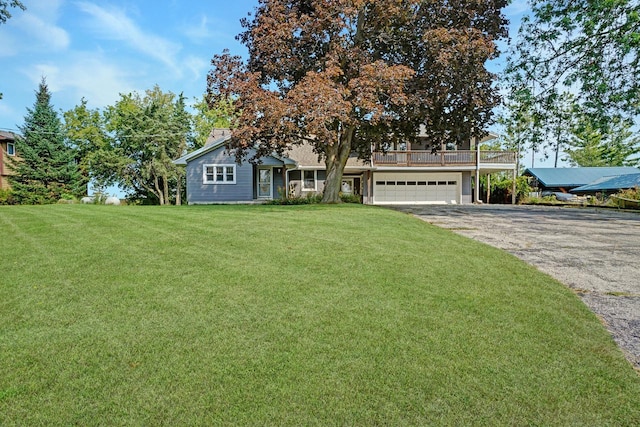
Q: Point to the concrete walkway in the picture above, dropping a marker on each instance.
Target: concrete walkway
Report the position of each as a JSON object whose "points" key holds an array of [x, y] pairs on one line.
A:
{"points": [[594, 251]]}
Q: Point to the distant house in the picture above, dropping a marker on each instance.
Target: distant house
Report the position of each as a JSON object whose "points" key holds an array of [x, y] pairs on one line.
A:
{"points": [[7, 149], [563, 180], [401, 174]]}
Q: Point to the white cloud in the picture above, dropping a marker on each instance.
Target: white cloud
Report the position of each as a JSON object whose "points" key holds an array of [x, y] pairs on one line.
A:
{"points": [[197, 66], [46, 34], [8, 45], [199, 32], [38, 25], [88, 75], [6, 110], [211, 32], [116, 25]]}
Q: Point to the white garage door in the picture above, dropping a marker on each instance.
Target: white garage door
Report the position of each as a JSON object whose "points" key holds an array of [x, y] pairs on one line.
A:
{"points": [[416, 188]]}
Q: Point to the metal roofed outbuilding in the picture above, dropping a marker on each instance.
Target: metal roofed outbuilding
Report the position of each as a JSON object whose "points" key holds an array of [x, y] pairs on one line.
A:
{"points": [[609, 184], [565, 179]]}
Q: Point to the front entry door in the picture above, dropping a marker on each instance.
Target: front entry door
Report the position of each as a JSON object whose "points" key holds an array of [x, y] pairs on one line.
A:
{"points": [[347, 186], [264, 183]]}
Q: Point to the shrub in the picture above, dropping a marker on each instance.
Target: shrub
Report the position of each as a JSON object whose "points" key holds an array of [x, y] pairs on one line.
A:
{"points": [[67, 198], [502, 189], [544, 200], [6, 197], [309, 199], [631, 193], [350, 198]]}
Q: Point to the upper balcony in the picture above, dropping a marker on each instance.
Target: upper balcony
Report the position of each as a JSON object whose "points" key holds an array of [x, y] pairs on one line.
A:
{"points": [[443, 158]]}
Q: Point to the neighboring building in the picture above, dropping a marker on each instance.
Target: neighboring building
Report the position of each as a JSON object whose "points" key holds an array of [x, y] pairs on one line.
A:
{"points": [[7, 149], [564, 180], [405, 174], [610, 184]]}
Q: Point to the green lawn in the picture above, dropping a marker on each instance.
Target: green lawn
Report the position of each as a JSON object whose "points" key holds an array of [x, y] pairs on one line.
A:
{"points": [[300, 315]]}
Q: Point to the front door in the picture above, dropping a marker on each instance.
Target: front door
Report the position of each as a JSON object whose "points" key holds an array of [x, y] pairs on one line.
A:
{"points": [[265, 183], [347, 186]]}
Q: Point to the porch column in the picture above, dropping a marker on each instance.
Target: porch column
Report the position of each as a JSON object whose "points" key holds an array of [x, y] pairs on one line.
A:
{"points": [[488, 188], [477, 189], [513, 190], [285, 183]]}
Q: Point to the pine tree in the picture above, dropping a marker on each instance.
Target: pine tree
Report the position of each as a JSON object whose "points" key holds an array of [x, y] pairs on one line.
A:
{"points": [[46, 170]]}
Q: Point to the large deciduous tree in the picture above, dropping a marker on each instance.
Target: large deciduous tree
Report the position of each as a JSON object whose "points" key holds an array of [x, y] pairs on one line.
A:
{"points": [[520, 120], [347, 75], [46, 169], [209, 116], [86, 135], [148, 132], [590, 47]]}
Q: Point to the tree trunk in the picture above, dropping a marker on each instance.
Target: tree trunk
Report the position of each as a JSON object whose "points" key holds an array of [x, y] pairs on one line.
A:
{"points": [[157, 191], [179, 191], [558, 135], [165, 189], [336, 158]]}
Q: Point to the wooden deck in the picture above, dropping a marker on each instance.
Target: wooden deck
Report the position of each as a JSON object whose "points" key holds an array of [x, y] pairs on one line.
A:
{"points": [[442, 158]]}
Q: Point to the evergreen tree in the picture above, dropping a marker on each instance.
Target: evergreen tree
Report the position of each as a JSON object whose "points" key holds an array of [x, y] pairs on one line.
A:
{"points": [[46, 170], [590, 146]]}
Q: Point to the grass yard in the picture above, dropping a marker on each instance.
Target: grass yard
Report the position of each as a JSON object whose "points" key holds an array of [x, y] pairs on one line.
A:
{"points": [[299, 315]]}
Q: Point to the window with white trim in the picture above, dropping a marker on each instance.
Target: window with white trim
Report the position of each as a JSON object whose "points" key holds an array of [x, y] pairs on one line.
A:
{"points": [[11, 149], [219, 174], [308, 180]]}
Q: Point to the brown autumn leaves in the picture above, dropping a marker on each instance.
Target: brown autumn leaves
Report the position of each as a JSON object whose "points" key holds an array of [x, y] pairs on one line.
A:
{"points": [[348, 75]]}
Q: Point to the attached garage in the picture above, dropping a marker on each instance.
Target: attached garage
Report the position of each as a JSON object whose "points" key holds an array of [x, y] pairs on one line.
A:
{"points": [[416, 188]]}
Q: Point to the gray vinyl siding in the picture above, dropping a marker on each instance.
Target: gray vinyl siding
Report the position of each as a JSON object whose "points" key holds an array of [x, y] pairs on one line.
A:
{"points": [[199, 192], [466, 188]]}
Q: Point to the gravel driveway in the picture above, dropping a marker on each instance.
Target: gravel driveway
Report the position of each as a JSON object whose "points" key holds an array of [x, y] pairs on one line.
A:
{"points": [[596, 252]]}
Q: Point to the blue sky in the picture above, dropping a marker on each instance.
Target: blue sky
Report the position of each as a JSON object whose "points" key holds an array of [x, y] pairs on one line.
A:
{"points": [[99, 49]]}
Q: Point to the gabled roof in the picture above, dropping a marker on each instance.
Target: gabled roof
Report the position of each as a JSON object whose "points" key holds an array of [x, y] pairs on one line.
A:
{"points": [[422, 132], [213, 144], [7, 136], [575, 177], [610, 183], [305, 157], [209, 146]]}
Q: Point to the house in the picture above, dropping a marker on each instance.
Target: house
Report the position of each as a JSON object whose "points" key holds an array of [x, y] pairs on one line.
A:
{"points": [[7, 149], [610, 184], [402, 174], [564, 180]]}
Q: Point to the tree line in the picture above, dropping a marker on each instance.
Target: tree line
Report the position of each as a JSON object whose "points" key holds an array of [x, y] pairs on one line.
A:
{"points": [[353, 76], [131, 144], [571, 82]]}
